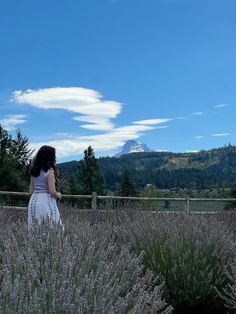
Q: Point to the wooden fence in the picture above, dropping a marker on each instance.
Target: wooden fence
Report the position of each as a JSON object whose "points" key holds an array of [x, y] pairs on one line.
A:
{"points": [[95, 197]]}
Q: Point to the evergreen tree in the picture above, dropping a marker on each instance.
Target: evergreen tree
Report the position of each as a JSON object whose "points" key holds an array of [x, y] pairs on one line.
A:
{"points": [[90, 178], [5, 160], [74, 187], [5, 144], [127, 186], [14, 157], [20, 150]]}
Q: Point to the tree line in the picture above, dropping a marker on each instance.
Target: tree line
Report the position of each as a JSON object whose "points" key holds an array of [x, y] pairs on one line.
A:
{"points": [[130, 175], [15, 159], [213, 169]]}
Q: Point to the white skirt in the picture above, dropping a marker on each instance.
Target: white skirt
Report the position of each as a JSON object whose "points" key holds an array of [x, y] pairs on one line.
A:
{"points": [[42, 205]]}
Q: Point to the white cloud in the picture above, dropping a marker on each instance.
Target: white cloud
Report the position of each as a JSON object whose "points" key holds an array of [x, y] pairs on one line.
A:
{"points": [[64, 147], [198, 113], [64, 134], [11, 122], [221, 134], [100, 142], [152, 121], [182, 118], [192, 151], [99, 123], [198, 137], [87, 102], [220, 105], [98, 127], [161, 127], [90, 108], [117, 137]]}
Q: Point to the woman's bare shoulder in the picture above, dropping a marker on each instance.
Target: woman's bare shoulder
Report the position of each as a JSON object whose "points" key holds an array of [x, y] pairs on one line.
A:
{"points": [[50, 170]]}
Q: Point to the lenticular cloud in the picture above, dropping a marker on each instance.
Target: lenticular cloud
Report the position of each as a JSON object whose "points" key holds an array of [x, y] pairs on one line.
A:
{"points": [[95, 113], [86, 102]]}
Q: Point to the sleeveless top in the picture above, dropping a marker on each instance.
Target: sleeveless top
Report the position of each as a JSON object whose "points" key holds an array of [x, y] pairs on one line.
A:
{"points": [[40, 182]]}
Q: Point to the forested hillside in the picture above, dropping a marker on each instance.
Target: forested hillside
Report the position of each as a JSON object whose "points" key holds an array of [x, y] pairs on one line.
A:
{"points": [[215, 168]]}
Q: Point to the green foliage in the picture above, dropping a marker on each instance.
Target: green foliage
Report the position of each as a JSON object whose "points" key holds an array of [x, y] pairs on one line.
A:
{"points": [[90, 178], [14, 161], [233, 192], [215, 168], [127, 186], [228, 294], [20, 149], [189, 274], [231, 205], [149, 191], [189, 253], [233, 195], [62, 182]]}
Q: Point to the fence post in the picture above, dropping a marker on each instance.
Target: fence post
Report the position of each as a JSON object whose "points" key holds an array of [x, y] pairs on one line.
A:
{"points": [[187, 205], [94, 200]]}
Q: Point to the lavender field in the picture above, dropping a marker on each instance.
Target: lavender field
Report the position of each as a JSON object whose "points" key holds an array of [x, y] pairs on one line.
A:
{"points": [[121, 261]]}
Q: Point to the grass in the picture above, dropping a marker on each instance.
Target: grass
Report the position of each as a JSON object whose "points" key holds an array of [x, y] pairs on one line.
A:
{"points": [[164, 206]]}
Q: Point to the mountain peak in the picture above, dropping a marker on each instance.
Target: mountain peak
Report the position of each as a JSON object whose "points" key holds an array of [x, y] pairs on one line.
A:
{"points": [[132, 146]]}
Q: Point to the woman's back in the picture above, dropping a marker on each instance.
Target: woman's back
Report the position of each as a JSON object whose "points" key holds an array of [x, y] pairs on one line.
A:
{"points": [[40, 182]]}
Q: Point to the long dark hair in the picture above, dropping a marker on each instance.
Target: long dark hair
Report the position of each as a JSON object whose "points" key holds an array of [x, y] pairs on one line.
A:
{"points": [[44, 160]]}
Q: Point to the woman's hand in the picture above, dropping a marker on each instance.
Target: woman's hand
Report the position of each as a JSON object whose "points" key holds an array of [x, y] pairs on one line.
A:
{"points": [[31, 186], [59, 195]]}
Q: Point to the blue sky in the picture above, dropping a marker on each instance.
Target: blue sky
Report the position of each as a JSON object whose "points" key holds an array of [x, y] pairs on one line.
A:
{"points": [[85, 72]]}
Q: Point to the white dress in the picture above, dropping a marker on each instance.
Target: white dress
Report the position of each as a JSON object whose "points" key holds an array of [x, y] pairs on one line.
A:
{"points": [[42, 204]]}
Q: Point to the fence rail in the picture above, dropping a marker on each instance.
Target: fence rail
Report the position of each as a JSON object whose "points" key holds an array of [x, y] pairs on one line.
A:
{"points": [[95, 197]]}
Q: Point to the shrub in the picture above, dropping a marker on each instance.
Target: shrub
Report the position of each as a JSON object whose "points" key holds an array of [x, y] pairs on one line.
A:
{"points": [[228, 294], [78, 270], [190, 254]]}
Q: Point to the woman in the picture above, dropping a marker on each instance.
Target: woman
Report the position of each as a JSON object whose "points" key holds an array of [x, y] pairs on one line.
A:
{"points": [[42, 187]]}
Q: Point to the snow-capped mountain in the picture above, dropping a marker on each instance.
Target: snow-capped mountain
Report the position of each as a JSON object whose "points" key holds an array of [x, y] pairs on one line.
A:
{"points": [[133, 146]]}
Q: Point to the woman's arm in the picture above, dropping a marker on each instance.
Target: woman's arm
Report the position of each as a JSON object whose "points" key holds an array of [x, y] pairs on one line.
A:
{"points": [[51, 185], [31, 186]]}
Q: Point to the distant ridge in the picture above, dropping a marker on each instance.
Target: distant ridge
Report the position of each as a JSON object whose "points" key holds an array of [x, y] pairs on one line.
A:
{"points": [[133, 146], [207, 169]]}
